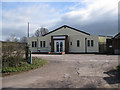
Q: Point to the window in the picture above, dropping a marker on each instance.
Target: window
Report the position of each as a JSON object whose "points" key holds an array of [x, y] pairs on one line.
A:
{"points": [[92, 43], [50, 43], [78, 43], [34, 43], [88, 43], [70, 43], [43, 43], [40, 43]]}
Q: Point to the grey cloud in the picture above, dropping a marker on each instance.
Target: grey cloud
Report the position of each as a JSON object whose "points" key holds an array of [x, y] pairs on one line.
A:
{"points": [[98, 22]]}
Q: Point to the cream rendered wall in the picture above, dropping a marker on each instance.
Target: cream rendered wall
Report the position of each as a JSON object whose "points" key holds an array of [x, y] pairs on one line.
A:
{"points": [[66, 31], [42, 49], [30, 39], [95, 48], [73, 47], [73, 37], [47, 47]]}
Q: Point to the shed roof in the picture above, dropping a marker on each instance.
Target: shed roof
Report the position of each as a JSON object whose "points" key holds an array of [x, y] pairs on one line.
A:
{"points": [[117, 36]]}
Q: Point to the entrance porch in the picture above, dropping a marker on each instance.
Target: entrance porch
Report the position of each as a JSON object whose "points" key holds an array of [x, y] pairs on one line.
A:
{"points": [[59, 44]]}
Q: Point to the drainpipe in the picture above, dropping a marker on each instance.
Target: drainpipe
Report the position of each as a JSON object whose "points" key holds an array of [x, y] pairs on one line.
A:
{"points": [[85, 45]]}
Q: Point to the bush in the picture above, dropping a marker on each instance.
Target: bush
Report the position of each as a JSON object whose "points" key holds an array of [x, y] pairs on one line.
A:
{"points": [[37, 62], [12, 61], [8, 69], [13, 54]]}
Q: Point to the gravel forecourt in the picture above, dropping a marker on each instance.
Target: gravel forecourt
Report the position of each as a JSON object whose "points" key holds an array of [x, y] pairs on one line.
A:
{"points": [[68, 71]]}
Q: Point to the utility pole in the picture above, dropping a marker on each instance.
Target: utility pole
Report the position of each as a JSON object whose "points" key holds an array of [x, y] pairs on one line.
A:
{"points": [[28, 29], [28, 48]]}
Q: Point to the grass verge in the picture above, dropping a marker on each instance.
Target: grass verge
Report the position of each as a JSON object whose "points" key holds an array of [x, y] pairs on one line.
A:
{"points": [[37, 62]]}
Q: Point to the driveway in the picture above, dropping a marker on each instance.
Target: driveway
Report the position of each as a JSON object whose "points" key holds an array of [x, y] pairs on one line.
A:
{"points": [[68, 71]]}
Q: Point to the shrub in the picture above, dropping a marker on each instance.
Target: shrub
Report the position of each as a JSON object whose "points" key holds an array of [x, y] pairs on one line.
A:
{"points": [[37, 62], [13, 54]]}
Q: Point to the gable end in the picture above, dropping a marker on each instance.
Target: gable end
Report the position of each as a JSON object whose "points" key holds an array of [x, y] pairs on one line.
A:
{"points": [[67, 27]]}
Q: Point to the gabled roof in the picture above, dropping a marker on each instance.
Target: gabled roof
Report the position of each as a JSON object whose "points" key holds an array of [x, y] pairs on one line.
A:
{"points": [[67, 27], [117, 36]]}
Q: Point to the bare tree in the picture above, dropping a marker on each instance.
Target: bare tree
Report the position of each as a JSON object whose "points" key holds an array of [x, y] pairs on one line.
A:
{"points": [[12, 38], [37, 33], [23, 39], [44, 31], [41, 31]]}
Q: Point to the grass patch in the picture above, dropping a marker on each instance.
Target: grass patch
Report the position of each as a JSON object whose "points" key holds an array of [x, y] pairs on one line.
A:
{"points": [[36, 63]]}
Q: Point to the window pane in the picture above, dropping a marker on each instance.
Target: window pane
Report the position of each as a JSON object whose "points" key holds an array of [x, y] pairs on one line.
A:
{"points": [[32, 44], [43, 43], [40, 43], [61, 46], [57, 46], [88, 43], [92, 43], [78, 43], [35, 44]]}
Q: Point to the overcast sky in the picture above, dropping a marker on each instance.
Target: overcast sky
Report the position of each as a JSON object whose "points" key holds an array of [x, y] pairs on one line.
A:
{"points": [[97, 17]]}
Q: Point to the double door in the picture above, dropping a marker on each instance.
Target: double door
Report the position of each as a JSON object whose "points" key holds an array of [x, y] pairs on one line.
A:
{"points": [[59, 46]]}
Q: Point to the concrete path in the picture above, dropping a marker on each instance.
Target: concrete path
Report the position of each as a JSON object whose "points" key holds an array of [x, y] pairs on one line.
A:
{"points": [[68, 71]]}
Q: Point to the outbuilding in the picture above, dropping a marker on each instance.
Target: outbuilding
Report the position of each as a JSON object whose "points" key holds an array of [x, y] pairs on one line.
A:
{"points": [[113, 45]]}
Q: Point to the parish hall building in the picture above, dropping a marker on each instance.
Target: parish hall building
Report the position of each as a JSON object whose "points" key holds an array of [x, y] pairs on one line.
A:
{"points": [[69, 40]]}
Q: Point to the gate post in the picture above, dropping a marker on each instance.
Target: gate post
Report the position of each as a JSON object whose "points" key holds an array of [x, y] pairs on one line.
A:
{"points": [[30, 57]]}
